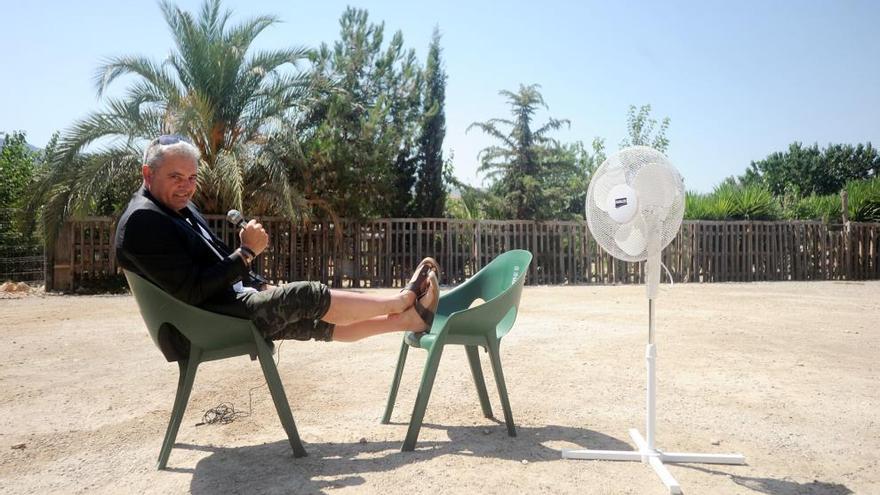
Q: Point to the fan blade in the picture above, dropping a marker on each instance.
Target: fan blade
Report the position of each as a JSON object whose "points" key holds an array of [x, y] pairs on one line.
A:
{"points": [[603, 184], [631, 237], [656, 186]]}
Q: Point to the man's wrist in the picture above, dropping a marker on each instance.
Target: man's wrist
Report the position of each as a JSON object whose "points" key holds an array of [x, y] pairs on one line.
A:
{"points": [[247, 255], [248, 251]]}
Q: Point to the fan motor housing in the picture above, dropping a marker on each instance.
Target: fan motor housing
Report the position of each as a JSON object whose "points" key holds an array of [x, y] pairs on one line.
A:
{"points": [[623, 203]]}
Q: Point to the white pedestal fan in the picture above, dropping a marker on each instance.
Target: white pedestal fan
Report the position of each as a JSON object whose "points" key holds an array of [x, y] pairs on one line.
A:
{"points": [[634, 208]]}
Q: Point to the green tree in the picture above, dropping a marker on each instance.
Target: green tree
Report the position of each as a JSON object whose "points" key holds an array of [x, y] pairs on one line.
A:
{"points": [[430, 194], [213, 88], [807, 170], [573, 186], [640, 127], [525, 164], [467, 202], [474, 203], [17, 163], [17, 166], [357, 151]]}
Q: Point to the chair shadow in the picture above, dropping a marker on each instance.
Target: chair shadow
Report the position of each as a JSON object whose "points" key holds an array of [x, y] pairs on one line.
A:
{"points": [[271, 468], [772, 486]]}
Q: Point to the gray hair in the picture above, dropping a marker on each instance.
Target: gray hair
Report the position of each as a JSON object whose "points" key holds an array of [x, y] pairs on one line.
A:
{"points": [[156, 152]]}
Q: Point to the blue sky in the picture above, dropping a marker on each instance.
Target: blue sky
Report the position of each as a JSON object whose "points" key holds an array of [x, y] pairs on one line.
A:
{"points": [[739, 80]]}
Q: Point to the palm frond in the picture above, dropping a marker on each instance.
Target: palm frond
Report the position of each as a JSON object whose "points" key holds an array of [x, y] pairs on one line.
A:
{"points": [[150, 72], [243, 35], [267, 61], [121, 119]]}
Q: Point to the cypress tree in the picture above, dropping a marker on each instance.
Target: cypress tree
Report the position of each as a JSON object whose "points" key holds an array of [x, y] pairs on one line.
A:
{"points": [[430, 195]]}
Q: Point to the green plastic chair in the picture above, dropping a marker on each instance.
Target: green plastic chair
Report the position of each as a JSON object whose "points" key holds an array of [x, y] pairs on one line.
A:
{"points": [[209, 336], [500, 285]]}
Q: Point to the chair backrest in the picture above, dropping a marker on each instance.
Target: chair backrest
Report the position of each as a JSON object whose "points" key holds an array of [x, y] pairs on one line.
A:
{"points": [[164, 314], [500, 285]]}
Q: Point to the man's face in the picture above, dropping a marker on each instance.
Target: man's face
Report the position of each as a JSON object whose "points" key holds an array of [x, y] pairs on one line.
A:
{"points": [[173, 182]]}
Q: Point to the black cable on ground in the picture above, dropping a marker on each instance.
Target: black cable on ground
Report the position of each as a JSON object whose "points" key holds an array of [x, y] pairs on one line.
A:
{"points": [[225, 413]]}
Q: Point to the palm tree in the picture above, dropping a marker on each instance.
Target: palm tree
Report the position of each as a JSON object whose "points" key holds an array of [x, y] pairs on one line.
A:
{"points": [[525, 156], [213, 88]]}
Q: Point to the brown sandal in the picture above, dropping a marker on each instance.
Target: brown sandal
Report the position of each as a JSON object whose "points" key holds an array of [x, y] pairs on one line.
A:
{"points": [[413, 337], [420, 285]]}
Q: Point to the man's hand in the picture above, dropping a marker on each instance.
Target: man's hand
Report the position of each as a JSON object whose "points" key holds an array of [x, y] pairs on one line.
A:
{"points": [[254, 237]]}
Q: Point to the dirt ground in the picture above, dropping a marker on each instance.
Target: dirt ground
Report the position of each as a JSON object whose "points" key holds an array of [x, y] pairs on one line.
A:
{"points": [[783, 373]]}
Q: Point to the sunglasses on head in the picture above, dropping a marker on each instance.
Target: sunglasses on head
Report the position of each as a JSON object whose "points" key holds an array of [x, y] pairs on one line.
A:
{"points": [[168, 139]]}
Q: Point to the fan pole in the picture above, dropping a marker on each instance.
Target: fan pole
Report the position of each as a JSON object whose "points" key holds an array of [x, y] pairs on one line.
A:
{"points": [[647, 452], [650, 364]]}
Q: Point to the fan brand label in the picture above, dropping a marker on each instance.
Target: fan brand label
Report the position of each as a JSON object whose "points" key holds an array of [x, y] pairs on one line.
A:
{"points": [[619, 202]]}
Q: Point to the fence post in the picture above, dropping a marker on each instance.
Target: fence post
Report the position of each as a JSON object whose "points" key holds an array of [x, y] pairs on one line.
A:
{"points": [[477, 248], [49, 267], [62, 260], [847, 233]]}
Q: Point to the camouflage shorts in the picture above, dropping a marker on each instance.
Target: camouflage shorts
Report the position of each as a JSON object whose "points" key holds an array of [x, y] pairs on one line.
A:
{"points": [[291, 311]]}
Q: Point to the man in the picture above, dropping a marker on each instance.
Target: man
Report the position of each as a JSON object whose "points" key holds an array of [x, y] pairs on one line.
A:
{"points": [[162, 237]]}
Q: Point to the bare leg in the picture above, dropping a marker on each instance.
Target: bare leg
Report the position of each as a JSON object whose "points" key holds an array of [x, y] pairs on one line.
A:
{"points": [[408, 320], [351, 307], [373, 326]]}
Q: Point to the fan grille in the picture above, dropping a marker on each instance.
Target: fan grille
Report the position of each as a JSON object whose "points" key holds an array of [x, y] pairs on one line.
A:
{"points": [[660, 195]]}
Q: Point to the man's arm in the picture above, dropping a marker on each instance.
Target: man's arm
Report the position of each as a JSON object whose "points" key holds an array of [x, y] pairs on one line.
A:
{"points": [[252, 279], [154, 245], [254, 239]]}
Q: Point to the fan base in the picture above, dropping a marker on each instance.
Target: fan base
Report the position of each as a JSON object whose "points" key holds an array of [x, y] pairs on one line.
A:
{"points": [[655, 458]]}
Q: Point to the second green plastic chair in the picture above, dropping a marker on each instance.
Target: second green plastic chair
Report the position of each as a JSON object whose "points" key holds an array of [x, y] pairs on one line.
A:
{"points": [[500, 285], [209, 336]]}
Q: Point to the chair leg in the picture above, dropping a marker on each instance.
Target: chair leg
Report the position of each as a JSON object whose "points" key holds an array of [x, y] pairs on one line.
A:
{"points": [[477, 370], [395, 384], [276, 389], [188, 369], [495, 355], [415, 422]]}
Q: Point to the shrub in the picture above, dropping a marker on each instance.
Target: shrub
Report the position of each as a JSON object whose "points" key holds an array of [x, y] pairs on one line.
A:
{"points": [[824, 208], [864, 200], [733, 202], [863, 204], [699, 206], [755, 202]]}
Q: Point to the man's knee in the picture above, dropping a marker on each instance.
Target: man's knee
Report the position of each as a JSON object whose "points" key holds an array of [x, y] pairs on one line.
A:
{"points": [[310, 300], [275, 309]]}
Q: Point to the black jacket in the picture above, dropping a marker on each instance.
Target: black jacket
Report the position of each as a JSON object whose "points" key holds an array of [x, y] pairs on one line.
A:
{"points": [[157, 243]]}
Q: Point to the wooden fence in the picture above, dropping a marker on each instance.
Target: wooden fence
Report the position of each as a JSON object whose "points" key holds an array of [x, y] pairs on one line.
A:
{"points": [[382, 253]]}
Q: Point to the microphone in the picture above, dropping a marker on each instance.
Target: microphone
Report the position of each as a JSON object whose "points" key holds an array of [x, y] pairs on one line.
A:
{"points": [[236, 218]]}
